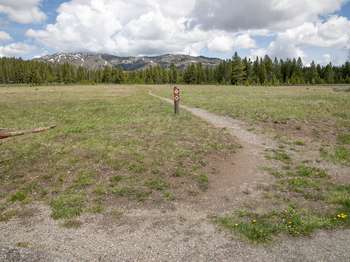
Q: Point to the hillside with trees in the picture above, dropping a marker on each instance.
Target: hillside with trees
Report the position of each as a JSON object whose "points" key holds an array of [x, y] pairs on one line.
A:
{"points": [[235, 71]]}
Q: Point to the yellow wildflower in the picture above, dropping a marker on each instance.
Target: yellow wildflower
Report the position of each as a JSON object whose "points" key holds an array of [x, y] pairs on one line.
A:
{"points": [[342, 216]]}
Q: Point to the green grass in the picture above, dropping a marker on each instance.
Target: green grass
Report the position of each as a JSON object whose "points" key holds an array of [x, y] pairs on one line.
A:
{"points": [[97, 208], [342, 155], [299, 114], [336, 154], [344, 139], [157, 184], [67, 206], [298, 184], [169, 196], [84, 180], [110, 142], [18, 196], [304, 189], [280, 155], [299, 143], [307, 171], [314, 112], [139, 194], [261, 228], [203, 182], [275, 104]]}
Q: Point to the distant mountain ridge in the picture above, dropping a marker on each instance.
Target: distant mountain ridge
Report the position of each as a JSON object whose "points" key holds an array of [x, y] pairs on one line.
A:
{"points": [[99, 60]]}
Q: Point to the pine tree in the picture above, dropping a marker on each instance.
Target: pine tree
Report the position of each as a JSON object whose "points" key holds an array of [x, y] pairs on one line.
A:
{"points": [[277, 74], [238, 70], [190, 74], [262, 74], [173, 76], [269, 69], [34, 77], [199, 74], [329, 74]]}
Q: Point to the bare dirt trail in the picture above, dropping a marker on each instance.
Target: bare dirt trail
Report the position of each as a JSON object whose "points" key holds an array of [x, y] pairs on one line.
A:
{"points": [[181, 233], [245, 173]]}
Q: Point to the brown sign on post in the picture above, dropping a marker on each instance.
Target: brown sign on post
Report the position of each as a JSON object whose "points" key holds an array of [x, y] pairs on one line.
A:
{"points": [[176, 100]]}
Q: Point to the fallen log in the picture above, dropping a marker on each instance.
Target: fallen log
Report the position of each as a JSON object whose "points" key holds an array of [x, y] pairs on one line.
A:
{"points": [[4, 135]]}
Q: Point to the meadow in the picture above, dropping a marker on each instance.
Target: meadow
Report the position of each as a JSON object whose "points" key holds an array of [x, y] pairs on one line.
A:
{"points": [[299, 113], [112, 144], [117, 146], [311, 126]]}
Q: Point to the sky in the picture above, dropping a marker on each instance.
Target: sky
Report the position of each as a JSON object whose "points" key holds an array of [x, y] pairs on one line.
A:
{"points": [[315, 30]]}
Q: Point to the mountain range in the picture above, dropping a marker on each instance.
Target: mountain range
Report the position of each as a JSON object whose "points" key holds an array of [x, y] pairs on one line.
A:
{"points": [[99, 60]]}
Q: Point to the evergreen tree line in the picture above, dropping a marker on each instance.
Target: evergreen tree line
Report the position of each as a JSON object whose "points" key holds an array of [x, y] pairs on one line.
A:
{"points": [[235, 71]]}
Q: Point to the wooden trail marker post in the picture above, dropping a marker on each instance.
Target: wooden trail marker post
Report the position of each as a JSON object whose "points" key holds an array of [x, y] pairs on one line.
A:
{"points": [[176, 100]]}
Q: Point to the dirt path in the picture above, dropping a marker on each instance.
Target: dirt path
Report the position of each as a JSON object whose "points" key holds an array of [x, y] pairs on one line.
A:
{"points": [[245, 173], [181, 233]]}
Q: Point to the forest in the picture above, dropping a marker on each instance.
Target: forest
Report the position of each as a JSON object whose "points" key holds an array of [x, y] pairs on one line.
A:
{"points": [[235, 71]]}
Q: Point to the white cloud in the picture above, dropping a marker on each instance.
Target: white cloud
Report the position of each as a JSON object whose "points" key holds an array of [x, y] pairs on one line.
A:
{"points": [[332, 33], [280, 49], [120, 27], [23, 11], [151, 27], [226, 43], [16, 50], [135, 27], [233, 15], [4, 36], [335, 32]]}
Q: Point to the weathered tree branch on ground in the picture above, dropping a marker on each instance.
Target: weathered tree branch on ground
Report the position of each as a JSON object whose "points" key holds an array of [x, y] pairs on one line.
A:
{"points": [[4, 135]]}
